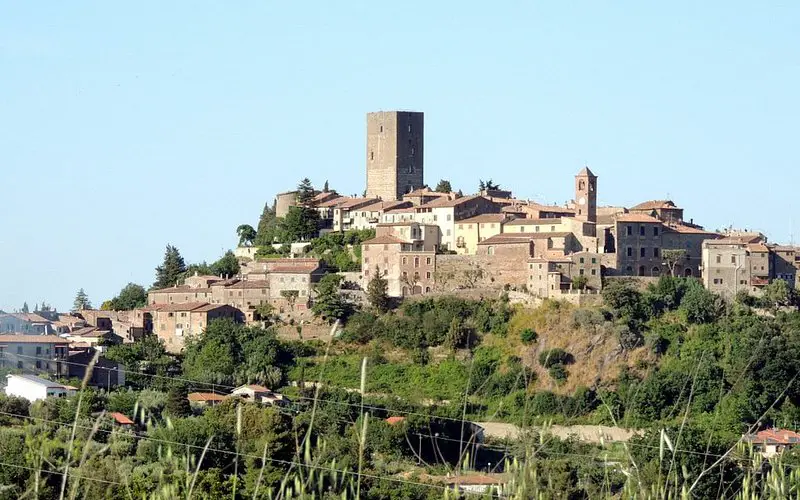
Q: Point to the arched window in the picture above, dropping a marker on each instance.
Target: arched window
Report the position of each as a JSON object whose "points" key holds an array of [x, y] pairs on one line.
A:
{"points": [[656, 271], [490, 250], [581, 184], [687, 272], [427, 289]]}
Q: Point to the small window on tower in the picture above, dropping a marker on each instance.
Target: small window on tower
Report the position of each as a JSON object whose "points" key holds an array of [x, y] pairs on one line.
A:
{"points": [[371, 155], [409, 128], [381, 129]]}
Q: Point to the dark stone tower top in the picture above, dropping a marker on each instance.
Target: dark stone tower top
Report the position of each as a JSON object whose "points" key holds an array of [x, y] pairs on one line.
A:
{"points": [[395, 145]]}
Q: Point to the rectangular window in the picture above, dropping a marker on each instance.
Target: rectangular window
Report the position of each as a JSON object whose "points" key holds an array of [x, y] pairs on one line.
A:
{"points": [[552, 229], [469, 226], [719, 259], [405, 274], [655, 252], [461, 226], [428, 275], [405, 261], [581, 272], [594, 260], [19, 349], [642, 252], [594, 272], [435, 217], [428, 261], [416, 261], [630, 252], [537, 229], [448, 232], [38, 350], [581, 260], [641, 230], [521, 229], [450, 217], [655, 230], [628, 230]]}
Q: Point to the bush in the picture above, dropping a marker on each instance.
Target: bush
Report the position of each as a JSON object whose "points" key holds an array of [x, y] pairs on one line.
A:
{"points": [[700, 305], [528, 336], [628, 337], [556, 356], [558, 373]]}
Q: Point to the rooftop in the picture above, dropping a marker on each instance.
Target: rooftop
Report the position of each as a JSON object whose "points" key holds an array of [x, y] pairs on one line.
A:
{"points": [[121, 418], [533, 222], [773, 436], [41, 381], [32, 339], [654, 205], [205, 396], [446, 203], [253, 387], [642, 218], [479, 219], [383, 240]]}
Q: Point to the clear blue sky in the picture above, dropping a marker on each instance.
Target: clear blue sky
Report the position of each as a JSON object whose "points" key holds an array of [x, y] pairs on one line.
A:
{"points": [[124, 128]]}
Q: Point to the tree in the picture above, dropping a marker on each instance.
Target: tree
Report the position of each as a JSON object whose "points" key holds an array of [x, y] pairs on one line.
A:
{"points": [[329, 303], [81, 301], [487, 185], [177, 401], [444, 187], [130, 297], [305, 193], [168, 273], [25, 308], [700, 305], [579, 282], [777, 293], [377, 292], [325, 188], [227, 265], [672, 257], [247, 235], [300, 224], [267, 224]]}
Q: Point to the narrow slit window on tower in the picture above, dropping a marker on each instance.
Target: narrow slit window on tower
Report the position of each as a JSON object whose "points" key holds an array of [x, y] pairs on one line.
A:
{"points": [[372, 155], [381, 129]]}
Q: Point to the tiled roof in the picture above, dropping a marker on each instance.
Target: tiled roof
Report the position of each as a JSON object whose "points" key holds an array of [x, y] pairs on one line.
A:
{"points": [[355, 202], [426, 192], [479, 219], [684, 229], [331, 203], [654, 204], [773, 436], [637, 218], [507, 239], [186, 307], [42, 381], [383, 240], [299, 269], [534, 222], [205, 396], [446, 203], [395, 420], [120, 418], [89, 331], [181, 289], [383, 206], [248, 284], [32, 339], [253, 387], [31, 317], [403, 210], [758, 247]]}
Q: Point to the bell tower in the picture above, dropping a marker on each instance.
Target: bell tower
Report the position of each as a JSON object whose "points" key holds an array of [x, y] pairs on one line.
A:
{"points": [[586, 195]]}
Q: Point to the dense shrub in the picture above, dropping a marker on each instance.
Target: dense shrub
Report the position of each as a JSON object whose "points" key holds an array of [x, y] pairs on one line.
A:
{"points": [[556, 356], [528, 336]]}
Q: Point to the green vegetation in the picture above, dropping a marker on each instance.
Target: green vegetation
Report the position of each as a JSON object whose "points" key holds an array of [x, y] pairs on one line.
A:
{"points": [[444, 187], [341, 251], [81, 301], [171, 270], [130, 297]]}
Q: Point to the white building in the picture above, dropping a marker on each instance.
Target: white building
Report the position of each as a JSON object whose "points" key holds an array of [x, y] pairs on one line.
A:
{"points": [[36, 353], [34, 388]]}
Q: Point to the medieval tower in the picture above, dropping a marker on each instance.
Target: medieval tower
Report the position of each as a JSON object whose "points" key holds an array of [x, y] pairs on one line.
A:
{"points": [[586, 195], [394, 153]]}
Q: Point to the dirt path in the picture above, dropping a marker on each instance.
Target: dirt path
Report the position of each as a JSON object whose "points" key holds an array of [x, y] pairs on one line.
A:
{"points": [[586, 433]]}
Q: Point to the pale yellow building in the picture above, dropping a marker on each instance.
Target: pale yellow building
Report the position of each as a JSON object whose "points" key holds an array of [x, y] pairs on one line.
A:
{"points": [[470, 232]]}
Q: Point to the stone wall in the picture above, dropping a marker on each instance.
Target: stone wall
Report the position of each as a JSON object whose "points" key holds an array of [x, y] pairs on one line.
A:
{"points": [[454, 272]]}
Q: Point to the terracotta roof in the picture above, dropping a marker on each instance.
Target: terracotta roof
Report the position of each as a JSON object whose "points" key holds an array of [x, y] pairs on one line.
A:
{"points": [[758, 247], [383, 206], [395, 420], [30, 317], [254, 387], [248, 284], [403, 210], [120, 418], [479, 219], [304, 269], [654, 204], [396, 224], [534, 222], [186, 307], [507, 239], [205, 396], [331, 203], [354, 202], [684, 229], [181, 289], [383, 240], [89, 331], [637, 218], [32, 339], [446, 203], [426, 192], [785, 248], [550, 208], [774, 436]]}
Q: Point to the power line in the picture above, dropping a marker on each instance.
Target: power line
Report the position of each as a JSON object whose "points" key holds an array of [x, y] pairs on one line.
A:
{"points": [[5, 464]]}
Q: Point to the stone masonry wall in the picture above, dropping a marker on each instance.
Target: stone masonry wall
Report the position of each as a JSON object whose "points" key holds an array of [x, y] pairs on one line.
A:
{"points": [[455, 272]]}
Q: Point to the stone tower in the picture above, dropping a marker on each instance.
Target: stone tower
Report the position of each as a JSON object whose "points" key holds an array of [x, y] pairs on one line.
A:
{"points": [[586, 195], [394, 153]]}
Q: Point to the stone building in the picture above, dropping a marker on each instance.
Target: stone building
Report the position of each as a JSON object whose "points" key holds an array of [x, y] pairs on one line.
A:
{"points": [[586, 195], [425, 195], [664, 210], [174, 323], [395, 152], [25, 323], [746, 263], [470, 232], [34, 353], [551, 277], [404, 254], [639, 241], [284, 201]]}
